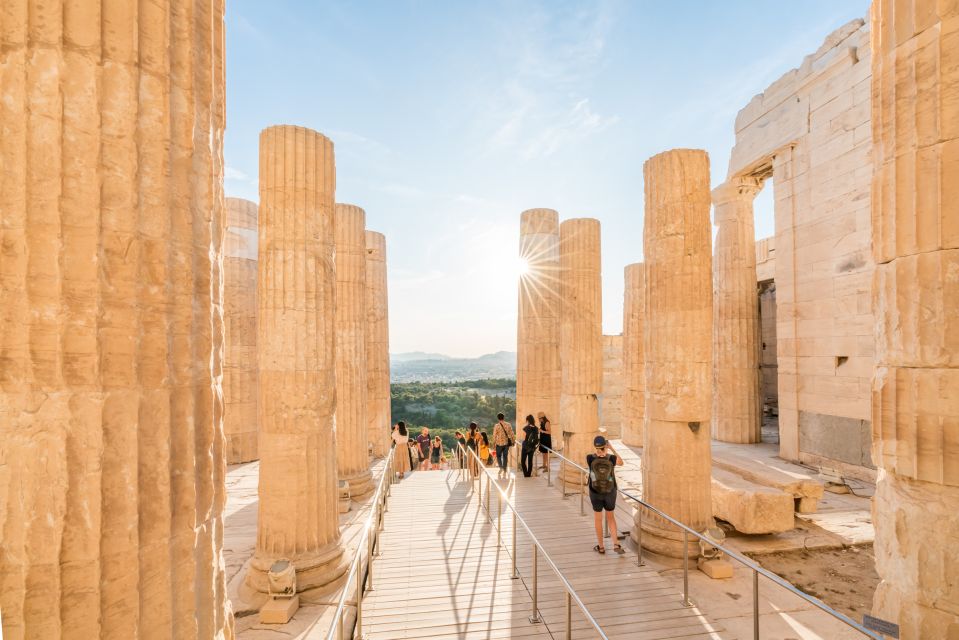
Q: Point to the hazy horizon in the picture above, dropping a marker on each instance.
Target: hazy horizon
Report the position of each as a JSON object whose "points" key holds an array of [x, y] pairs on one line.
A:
{"points": [[450, 119]]}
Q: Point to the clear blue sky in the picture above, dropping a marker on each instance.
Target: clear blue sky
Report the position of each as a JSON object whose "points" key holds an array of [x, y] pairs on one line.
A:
{"points": [[450, 118]]}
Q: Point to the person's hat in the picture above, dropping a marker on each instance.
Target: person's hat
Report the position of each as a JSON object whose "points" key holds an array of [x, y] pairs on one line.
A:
{"points": [[599, 441]]}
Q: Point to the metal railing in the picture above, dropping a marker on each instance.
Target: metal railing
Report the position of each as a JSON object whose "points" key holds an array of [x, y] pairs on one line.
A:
{"points": [[476, 469], [687, 531], [369, 541]]}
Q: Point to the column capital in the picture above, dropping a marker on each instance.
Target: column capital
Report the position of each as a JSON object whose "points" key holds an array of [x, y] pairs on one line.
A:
{"points": [[741, 188]]}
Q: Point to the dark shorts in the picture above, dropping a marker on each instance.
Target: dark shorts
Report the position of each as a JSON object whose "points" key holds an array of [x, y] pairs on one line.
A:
{"points": [[435, 458], [601, 501]]}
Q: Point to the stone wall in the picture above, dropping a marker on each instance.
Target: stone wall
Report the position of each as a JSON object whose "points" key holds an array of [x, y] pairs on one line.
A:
{"points": [[811, 130], [611, 402]]}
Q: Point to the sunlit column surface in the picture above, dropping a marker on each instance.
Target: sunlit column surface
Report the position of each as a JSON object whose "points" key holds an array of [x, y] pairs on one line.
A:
{"points": [[352, 443], [678, 347], [581, 337], [538, 375], [634, 360], [737, 405], [111, 330], [298, 517], [377, 344]]}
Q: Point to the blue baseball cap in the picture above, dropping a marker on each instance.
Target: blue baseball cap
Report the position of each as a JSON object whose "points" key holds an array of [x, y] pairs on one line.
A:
{"points": [[599, 441]]}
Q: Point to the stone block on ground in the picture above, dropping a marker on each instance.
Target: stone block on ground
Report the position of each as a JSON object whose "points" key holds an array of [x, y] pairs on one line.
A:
{"points": [[279, 610], [752, 463], [750, 507]]}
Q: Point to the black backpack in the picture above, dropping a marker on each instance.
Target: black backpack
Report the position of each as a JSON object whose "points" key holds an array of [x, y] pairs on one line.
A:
{"points": [[601, 474], [532, 440]]}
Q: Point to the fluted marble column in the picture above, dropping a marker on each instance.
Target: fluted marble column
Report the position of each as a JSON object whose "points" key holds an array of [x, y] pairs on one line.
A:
{"points": [[352, 443], [377, 344], [538, 375], [915, 239], [737, 403], [239, 311], [678, 347], [111, 417], [581, 338], [634, 361], [296, 288]]}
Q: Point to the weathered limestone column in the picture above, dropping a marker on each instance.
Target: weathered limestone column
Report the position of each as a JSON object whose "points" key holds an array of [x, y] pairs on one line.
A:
{"points": [[538, 375], [239, 311], [737, 403], [377, 345], [634, 361], [581, 338], [296, 288], [111, 418], [678, 347], [915, 239], [352, 443]]}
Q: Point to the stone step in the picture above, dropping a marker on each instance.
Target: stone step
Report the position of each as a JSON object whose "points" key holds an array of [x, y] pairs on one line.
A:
{"points": [[750, 507], [756, 464]]}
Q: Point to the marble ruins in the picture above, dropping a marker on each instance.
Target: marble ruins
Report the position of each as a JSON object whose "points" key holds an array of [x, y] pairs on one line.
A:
{"points": [[154, 331]]}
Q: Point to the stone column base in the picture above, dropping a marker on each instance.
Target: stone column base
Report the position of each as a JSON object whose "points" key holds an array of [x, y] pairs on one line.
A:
{"points": [[322, 570], [660, 536], [361, 484]]}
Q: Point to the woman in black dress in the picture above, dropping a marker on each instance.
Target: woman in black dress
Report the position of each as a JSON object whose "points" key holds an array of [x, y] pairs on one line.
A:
{"points": [[545, 438]]}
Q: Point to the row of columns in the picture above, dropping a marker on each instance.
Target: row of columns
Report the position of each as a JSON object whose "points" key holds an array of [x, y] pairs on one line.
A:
{"points": [[667, 338]]}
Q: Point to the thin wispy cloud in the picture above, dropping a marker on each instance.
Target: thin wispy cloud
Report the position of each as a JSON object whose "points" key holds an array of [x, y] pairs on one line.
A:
{"points": [[542, 104]]}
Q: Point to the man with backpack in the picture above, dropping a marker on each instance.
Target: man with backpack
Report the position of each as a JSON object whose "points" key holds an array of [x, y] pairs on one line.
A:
{"points": [[602, 491]]}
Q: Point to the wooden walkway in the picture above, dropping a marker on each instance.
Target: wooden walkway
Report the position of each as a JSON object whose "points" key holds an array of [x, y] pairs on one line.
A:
{"points": [[442, 574]]}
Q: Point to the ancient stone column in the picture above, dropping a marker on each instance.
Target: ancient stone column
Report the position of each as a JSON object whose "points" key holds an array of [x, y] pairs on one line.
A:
{"points": [[634, 362], [678, 347], [737, 404], [915, 239], [352, 443], [111, 326], [581, 338], [377, 345], [239, 312], [538, 375], [296, 288]]}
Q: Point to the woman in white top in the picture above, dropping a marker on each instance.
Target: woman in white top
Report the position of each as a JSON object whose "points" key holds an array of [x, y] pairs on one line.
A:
{"points": [[401, 457]]}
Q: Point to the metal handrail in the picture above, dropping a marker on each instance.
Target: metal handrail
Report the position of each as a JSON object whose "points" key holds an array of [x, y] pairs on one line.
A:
{"points": [[371, 537], [571, 595], [756, 569]]}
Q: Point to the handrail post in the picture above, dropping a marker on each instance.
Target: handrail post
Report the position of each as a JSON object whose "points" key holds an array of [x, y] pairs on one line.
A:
{"points": [[569, 616], [755, 605], [499, 517], [479, 481], [369, 565], [549, 472], [582, 493], [686, 601], [359, 603], [489, 483], [562, 475], [639, 537], [515, 575], [535, 619]]}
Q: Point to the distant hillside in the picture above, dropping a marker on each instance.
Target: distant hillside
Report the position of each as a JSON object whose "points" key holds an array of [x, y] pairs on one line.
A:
{"points": [[417, 355], [433, 367]]}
